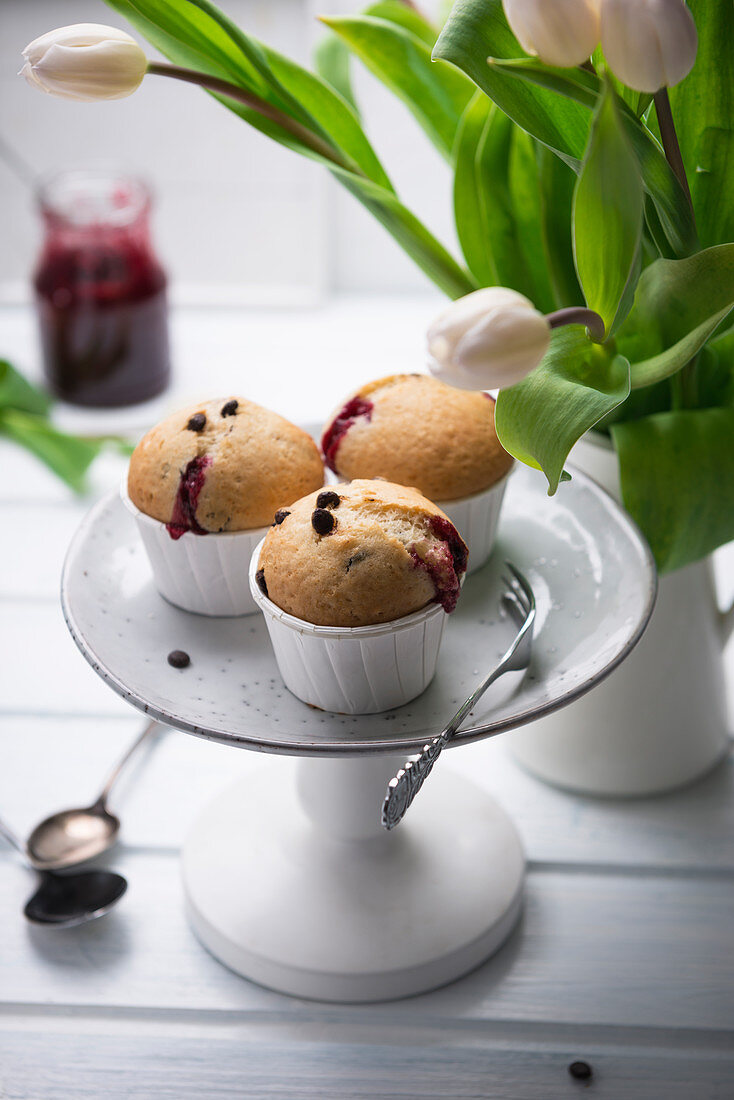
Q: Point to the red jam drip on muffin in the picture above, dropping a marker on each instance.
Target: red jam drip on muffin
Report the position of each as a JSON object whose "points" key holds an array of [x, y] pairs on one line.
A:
{"points": [[444, 563], [340, 425], [184, 508]]}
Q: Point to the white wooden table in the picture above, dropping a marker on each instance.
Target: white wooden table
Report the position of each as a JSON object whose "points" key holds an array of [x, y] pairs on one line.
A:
{"points": [[625, 954]]}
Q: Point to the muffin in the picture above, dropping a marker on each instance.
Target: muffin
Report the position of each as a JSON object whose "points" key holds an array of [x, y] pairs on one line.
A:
{"points": [[414, 430], [219, 469], [222, 465], [355, 582]]}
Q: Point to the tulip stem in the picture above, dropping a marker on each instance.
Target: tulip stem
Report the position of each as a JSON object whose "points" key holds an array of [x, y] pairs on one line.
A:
{"points": [[670, 139], [578, 315], [267, 110]]}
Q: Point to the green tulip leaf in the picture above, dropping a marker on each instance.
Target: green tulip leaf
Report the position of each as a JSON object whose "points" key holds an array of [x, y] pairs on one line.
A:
{"points": [[396, 11], [436, 94], [331, 61], [703, 109], [17, 393], [607, 214], [556, 182], [471, 198], [576, 384], [476, 30], [677, 476], [497, 203], [674, 219], [577, 84], [68, 456], [678, 305]]}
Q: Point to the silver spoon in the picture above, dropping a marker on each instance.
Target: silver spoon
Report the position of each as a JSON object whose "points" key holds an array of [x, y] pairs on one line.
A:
{"points": [[66, 900], [74, 836]]}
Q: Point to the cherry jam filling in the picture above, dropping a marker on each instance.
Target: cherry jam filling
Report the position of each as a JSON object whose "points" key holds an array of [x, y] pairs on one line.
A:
{"points": [[184, 508], [340, 425], [444, 529], [445, 563]]}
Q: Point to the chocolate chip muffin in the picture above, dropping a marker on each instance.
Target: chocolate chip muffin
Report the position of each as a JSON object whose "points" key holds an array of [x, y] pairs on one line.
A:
{"points": [[223, 465], [414, 430], [363, 553]]}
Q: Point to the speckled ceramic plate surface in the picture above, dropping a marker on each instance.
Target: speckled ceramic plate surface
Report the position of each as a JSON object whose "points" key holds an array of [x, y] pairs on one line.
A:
{"points": [[589, 567]]}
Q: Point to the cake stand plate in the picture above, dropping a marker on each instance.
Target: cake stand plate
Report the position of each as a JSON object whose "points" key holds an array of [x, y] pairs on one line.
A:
{"points": [[288, 876]]}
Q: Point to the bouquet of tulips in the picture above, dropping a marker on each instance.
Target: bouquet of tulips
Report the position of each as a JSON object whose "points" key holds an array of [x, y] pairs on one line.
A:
{"points": [[594, 209]]}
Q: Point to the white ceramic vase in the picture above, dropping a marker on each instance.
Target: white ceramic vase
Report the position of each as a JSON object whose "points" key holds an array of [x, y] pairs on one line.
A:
{"points": [[659, 721]]}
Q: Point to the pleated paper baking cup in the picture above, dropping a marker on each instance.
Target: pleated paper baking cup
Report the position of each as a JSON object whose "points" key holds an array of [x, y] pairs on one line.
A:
{"points": [[202, 573], [353, 670], [476, 518]]}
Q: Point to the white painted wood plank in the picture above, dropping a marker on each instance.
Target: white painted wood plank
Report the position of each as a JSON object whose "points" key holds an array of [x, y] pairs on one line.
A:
{"points": [[34, 544], [42, 671], [602, 949], [54, 762], [85, 1059]]}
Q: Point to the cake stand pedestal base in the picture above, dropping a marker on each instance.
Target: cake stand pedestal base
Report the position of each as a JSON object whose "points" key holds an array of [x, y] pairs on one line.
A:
{"points": [[291, 881]]}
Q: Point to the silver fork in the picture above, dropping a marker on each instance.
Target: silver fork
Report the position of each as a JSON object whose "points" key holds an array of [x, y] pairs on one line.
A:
{"points": [[518, 598]]}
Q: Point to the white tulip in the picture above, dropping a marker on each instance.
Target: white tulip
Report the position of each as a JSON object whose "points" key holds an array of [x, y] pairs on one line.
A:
{"points": [[487, 340], [648, 44], [559, 32], [85, 61]]}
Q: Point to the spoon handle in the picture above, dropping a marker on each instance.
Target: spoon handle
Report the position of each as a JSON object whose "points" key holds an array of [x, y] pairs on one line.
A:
{"points": [[16, 842], [115, 773]]}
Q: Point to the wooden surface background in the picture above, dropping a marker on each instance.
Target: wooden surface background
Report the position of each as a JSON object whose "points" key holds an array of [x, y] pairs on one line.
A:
{"points": [[625, 953]]}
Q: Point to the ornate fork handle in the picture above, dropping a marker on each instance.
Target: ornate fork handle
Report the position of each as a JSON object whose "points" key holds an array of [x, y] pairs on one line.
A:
{"points": [[402, 789]]}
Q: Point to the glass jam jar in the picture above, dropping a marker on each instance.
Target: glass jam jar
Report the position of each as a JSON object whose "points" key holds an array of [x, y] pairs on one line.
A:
{"points": [[100, 291]]}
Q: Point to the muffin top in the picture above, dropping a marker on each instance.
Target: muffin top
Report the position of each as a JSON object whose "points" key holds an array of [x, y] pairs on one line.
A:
{"points": [[363, 553], [414, 430], [222, 465]]}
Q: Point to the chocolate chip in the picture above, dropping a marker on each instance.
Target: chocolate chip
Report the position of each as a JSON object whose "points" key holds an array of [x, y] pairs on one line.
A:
{"points": [[177, 658], [230, 408], [359, 556], [323, 522], [260, 578], [280, 516], [328, 499], [197, 423], [582, 1071]]}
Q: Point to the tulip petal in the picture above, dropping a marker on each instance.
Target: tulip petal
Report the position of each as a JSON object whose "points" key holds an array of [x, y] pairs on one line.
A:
{"points": [[648, 44], [85, 61], [561, 32]]}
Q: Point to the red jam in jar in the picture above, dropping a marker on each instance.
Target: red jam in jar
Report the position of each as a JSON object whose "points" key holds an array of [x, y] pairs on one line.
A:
{"points": [[100, 292]]}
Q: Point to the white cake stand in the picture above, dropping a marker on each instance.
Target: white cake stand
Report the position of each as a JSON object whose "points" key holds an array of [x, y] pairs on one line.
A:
{"points": [[289, 878]]}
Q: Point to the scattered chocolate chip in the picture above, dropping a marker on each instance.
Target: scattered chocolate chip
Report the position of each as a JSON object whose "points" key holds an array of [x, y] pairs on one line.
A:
{"points": [[582, 1071], [328, 499], [230, 408], [197, 423], [177, 658], [280, 516], [260, 578], [323, 522]]}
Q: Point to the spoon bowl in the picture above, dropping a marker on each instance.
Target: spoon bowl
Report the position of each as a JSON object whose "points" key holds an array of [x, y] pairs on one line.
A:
{"points": [[72, 836], [68, 900]]}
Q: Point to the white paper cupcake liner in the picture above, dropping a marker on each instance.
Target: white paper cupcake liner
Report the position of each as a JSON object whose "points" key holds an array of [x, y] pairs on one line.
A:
{"points": [[202, 573], [476, 518], [353, 670]]}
